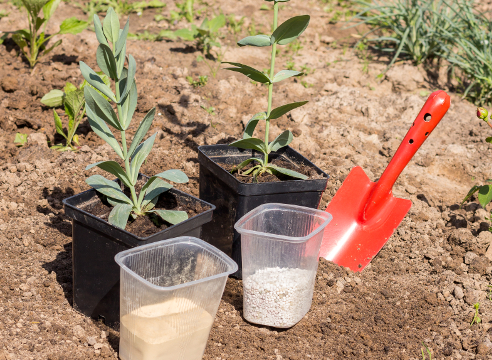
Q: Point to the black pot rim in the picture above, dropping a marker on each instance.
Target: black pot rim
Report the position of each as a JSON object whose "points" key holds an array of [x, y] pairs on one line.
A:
{"points": [[68, 203]]}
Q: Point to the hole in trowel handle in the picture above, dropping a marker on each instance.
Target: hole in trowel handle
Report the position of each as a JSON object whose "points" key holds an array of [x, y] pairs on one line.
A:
{"points": [[410, 141], [427, 117]]}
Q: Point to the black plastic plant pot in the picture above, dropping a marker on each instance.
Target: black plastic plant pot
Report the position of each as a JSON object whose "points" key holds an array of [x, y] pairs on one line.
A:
{"points": [[234, 198], [96, 276]]}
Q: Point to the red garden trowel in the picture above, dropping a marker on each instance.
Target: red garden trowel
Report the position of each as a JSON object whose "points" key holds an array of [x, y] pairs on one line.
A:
{"points": [[366, 213]]}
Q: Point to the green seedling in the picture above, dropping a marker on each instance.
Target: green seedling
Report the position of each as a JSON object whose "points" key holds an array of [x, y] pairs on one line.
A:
{"points": [[121, 7], [206, 38], [306, 84], [428, 352], [185, 10], [20, 139], [202, 81], [33, 42], [284, 34], [236, 26], [252, 28], [3, 14], [210, 110], [490, 292], [73, 101], [411, 29], [100, 114], [294, 47], [476, 318]]}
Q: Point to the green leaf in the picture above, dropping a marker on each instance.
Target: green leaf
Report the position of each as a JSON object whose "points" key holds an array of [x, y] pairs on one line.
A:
{"points": [[250, 72], [111, 26], [39, 23], [109, 188], [282, 140], [19, 40], [252, 123], [106, 61], [489, 139], [50, 8], [114, 168], [119, 215], [257, 40], [102, 129], [69, 87], [216, 23], [121, 43], [153, 190], [73, 26], [472, 191], [20, 139], [120, 62], [251, 143], [99, 31], [285, 74], [174, 175], [186, 34], [141, 131], [34, 6], [47, 51], [172, 216], [484, 195], [58, 124], [141, 153], [75, 101], [128, 106], [53, 99], [95, 80], [290, 30], [130, 78], [287, 172], [281, 110], [101, 108]]}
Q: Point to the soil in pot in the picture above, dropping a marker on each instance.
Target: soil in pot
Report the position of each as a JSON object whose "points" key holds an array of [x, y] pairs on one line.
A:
{"points": [[309, 171], [144, 226]]}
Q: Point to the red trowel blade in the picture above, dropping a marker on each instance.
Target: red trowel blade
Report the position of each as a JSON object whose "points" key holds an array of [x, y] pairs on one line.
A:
{"points": [[349, 240]]}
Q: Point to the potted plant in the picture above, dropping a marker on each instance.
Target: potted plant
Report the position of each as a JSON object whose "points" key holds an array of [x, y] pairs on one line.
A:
{"points": [[250, 172], [134, 210]]}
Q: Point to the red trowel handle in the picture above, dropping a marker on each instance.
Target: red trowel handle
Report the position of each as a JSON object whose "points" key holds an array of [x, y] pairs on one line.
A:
{"points": [[431, 114]]}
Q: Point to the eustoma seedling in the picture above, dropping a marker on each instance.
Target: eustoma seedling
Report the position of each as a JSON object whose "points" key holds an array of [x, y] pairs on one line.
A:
{"points": [[282, 35], [100, 113]]}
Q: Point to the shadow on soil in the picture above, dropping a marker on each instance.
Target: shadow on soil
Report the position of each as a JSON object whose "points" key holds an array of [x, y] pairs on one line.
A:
{"points": [[62, 266]]}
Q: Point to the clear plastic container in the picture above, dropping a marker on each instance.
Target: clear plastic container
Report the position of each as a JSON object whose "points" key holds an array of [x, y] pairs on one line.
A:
{"points": [[280, 245], [170, 291]]}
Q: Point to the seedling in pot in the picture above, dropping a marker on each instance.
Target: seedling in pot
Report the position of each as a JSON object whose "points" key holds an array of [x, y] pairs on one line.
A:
{"points": [[33, 42], [284, 34], [100, 114], [73, 101]]}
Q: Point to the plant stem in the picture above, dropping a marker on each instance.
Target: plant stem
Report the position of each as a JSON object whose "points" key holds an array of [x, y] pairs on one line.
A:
{"points": [[272, 73]]}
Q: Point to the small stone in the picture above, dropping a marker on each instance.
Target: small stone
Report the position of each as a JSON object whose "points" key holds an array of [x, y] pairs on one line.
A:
{"points": [[327, 39], [410, 189], [469, 256], [78, 332], [483, 348], [38, 139], [97, 346], [485, 237], [458, 293], [488, 254], [9, 84], [91, 340], [27, 294]]}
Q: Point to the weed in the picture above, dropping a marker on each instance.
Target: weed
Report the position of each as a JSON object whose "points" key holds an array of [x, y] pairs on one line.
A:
{"points": [[100, 114], [202, 81], [121, 7], [185, 10], [3, 14], [362, 52], [290, 65], [210, 110], [20, 139], [33, 42], [235, 25], [428, 352], [412, 29], [283, 34], [295, 47], [490, 292], [306, 84], [476, 318], [252, 28]]}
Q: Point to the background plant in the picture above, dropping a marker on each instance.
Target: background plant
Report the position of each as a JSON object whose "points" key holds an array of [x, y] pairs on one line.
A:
{"points": [[411, 29], [100, 114], [121, 7], [73, 101], [33, 42], [472, 53], [284, 34]]}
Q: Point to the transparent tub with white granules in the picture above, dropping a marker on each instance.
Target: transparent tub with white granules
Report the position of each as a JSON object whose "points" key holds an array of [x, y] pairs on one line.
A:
{"points": [[170, 293], [280, 245]]}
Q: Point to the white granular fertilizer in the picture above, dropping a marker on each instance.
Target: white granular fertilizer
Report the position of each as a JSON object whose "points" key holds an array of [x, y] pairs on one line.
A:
{"points": [[278, 297]]}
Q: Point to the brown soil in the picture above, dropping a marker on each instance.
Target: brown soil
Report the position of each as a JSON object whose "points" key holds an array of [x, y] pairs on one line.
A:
{"points": [[144, 226], [265, 177], [422, 286]]}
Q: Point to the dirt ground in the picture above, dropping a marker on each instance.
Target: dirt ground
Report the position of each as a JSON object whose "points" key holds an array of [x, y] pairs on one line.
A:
{"points": [[420, 289]]}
